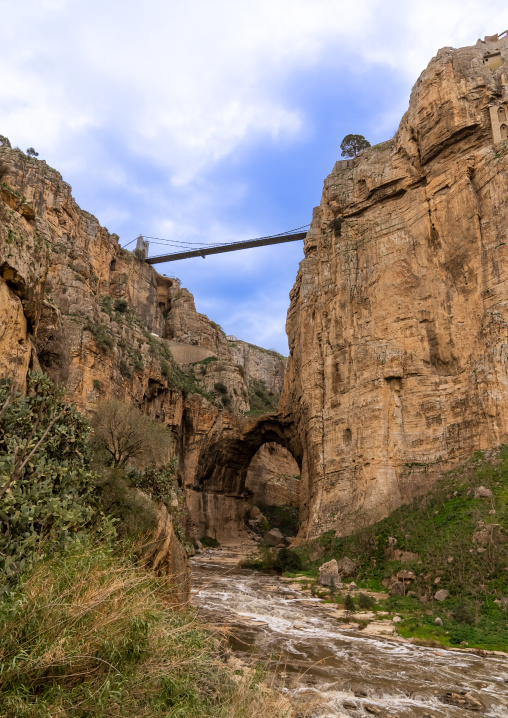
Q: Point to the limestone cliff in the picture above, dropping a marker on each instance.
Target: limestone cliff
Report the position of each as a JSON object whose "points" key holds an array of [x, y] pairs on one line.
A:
{"points": [[398, 324], [104, 323]]}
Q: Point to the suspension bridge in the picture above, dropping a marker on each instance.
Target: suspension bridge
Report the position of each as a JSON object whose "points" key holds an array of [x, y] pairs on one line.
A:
{"points": [[186, 250]]}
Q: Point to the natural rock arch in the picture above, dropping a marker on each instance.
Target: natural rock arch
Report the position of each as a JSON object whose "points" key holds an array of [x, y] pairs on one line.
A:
{"points": [[223, 465], [218, 499]]}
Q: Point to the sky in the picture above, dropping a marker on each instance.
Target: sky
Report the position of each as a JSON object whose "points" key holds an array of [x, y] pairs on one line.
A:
{"points": [[217, 120]]}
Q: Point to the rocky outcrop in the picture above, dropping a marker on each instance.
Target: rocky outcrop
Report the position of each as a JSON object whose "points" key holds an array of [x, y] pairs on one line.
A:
{"points": [[273, 478], [398, 319], [260, 364], [106, 324]]}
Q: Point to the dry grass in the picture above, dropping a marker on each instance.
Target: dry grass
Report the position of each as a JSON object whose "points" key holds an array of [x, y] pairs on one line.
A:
{"points": [[91, 634]]}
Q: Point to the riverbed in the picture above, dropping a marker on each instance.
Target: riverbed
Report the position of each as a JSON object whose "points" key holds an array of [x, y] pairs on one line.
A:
{"points": [[326, 667]]}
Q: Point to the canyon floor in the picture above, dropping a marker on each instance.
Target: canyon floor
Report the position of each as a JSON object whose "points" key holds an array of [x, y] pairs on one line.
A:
{"points": [[330, 668]]}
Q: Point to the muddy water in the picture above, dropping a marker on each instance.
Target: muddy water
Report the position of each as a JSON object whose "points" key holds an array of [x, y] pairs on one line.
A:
{"points": [[329, 670]]}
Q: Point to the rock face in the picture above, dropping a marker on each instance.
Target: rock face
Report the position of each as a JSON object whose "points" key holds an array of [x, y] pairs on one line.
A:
{"points": [[329, 574], [106, 324], [273, 478], [398, 319]]}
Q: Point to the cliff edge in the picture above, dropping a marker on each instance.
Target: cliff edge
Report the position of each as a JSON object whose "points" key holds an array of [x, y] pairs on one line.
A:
{"points": [[398, 324]]}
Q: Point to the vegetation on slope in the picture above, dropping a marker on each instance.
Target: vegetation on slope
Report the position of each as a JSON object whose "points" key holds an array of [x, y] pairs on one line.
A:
{"points": [[451, 539], [88, 633], [261, 399], [85, 628]]}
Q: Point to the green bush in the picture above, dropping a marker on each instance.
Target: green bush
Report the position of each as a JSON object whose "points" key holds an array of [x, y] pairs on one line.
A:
{"points": [[285, 518], [261, 399], [209, 542], [125, 369], [349, 604], [101, 334], [220, 387], [365, 602], [46, 486], [121, 306], [287, 560]]}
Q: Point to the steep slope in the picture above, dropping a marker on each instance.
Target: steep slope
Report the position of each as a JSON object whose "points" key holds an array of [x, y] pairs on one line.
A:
{"points": [[398, 324]]}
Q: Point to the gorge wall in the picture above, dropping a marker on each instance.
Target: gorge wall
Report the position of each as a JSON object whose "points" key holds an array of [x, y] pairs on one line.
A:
{"points": [[398, 324], [105, 324]]}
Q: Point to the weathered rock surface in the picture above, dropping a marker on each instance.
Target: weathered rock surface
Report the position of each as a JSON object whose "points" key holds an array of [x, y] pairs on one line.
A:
{"points": [[273, 477], [329, 574], [347, 567], [274, 537], [397, 324], [441, 595]]}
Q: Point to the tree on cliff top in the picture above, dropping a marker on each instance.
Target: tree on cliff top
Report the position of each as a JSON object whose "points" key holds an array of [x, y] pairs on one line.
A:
{"points": [[126, 434], [351, 145], [4, 141]]}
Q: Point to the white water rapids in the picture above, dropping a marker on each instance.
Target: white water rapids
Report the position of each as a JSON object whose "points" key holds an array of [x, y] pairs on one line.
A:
{"points": [[329, 670]]}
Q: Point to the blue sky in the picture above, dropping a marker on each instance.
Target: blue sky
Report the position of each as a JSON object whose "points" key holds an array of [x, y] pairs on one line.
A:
{"points": [[217, 121]]}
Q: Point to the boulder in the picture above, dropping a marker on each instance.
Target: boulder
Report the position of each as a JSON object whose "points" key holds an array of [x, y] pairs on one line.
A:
{"points": [[396, 619], [274, 537], [255, 513], [441, 595], [397, 589], [481, 492], [406, 575], [438, 622], [347, 567], [329, 573]]}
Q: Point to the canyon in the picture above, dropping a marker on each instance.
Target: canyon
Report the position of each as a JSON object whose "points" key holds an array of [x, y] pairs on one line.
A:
{"points": [[397, 326]]}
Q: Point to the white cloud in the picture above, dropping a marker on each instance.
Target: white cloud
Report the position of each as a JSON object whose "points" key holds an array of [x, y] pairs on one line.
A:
{"points": [[107, 87]]}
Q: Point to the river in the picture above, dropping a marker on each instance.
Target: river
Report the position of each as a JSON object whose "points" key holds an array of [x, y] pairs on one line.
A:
{"points": [[331, 670]]}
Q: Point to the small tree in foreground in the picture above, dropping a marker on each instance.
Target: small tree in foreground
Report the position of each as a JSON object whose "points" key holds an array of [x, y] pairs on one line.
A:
{"points": [[46, 486], [128, 435], [351, 145]]}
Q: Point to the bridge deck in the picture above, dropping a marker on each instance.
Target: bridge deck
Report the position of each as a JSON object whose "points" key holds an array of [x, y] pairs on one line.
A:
{"points": [[247, 244]]}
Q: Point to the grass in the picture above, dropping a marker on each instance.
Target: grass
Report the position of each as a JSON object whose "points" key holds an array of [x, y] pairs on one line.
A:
{"points": [[460, 544], [90, 634]]}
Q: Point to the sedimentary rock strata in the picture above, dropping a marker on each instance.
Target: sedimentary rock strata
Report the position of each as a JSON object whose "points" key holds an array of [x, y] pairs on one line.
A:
{"points": [[398, 324]]}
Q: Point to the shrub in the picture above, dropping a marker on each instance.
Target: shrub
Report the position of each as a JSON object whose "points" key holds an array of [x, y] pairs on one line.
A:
{"points": [[285, 518], [287, 560], [365, 601], [101, 335], [220, 387], [261, 400], [45, 482], [4, 141], [209, 542], [464, 614], [121, 306], [31, 152], [125, 369], [128, 435], [349, 604], [97, 385]]}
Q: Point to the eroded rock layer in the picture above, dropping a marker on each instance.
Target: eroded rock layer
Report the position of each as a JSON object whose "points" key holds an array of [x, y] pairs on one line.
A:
{"points": [[103, 322], [398, 324]]}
